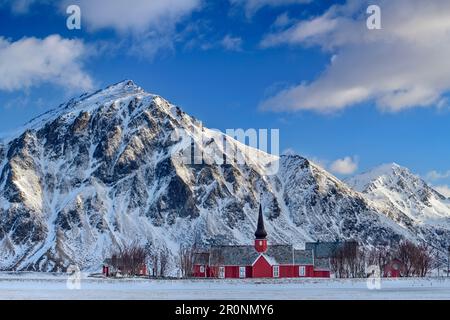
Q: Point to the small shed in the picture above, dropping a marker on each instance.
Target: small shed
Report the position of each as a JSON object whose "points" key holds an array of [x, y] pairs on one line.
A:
{"points": [[393, 269], [115, 266]]}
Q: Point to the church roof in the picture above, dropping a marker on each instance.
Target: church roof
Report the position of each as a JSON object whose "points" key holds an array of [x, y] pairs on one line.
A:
{"points": [[247, 255], [201, 258], [233, 255], [327, 249]]}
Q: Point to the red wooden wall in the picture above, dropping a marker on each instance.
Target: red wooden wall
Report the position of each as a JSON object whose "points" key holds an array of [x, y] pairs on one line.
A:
{"points": [[262, 269], [249, 272], [231, 272], [293, 271], [321, 274]]}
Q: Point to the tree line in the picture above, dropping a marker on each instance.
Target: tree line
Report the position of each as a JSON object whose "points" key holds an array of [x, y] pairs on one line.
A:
{"points": [[131, 259], [413, 260]]}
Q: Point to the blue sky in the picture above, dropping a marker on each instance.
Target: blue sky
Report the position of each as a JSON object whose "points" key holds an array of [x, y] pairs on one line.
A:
{"points": [[345, 96]]}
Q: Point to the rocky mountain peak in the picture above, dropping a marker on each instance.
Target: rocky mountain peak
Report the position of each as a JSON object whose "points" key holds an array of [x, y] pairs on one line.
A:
{"points": [[405, 195], [108, 168], [383, 174]]}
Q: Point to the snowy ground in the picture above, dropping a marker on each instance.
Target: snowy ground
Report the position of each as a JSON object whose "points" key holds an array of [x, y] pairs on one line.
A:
{"points": [[50, 286]]}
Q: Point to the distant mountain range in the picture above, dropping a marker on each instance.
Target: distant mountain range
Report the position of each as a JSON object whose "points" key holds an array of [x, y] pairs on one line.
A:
{"points": [[109, 168]]}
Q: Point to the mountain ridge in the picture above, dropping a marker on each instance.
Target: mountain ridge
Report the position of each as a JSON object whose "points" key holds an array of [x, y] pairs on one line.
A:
{"points": [[398, 188], [110, 168]]}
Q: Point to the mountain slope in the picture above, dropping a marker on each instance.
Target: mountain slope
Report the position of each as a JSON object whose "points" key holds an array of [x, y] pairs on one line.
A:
{"points": [[409, 200], [114, 167], [397, 187]]}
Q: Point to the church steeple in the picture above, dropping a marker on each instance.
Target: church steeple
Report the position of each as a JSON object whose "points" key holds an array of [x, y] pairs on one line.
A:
{"points": [[260, 233]]}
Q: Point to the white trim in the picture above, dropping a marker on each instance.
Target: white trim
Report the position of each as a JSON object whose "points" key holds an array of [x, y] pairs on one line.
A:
{"points": [[202, 269], [242, 272], [221, 272], [302, 271], [269, 260], [260, 255], [276, 274]]}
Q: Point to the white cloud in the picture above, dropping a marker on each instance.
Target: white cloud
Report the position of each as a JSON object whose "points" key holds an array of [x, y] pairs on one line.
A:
{"points": [[138, 16], [31, 61], [149, 27], [300, 32], [403, 65], [21, 6], [345, 166], [444, 190], [282, 21], [435, 175], [252, 6], [232, 43], [146, 27]]}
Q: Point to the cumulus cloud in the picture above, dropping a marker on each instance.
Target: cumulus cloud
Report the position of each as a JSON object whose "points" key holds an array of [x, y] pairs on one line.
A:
{"points": [[435, 175], [252, 6], [149, 26], [444, 190], [345, 166], [31, 61], [146, 27], [232, 43], [401, 66], [138, 16], [282, 21]]}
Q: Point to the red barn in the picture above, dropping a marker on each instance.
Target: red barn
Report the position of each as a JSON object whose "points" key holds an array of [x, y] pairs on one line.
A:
{"points": [[260, 260]]}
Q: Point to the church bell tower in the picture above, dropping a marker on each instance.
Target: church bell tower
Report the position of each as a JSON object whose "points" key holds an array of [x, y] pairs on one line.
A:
{"points": [[260, 234]]}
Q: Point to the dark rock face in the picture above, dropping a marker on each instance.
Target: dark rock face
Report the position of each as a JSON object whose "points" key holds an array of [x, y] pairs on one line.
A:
{"points": [[108, 169], [274, 209]]}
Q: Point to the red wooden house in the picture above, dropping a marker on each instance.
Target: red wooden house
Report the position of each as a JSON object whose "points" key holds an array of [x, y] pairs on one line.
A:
{"points": [[393, 269], [260, 260]]}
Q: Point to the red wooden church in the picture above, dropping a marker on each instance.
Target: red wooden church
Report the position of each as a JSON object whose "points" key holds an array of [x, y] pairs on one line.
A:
{"points": [[260, 260]]}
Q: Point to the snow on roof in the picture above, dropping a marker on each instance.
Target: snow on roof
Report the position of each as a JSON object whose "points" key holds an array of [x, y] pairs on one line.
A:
{"points": [[247, 255]]}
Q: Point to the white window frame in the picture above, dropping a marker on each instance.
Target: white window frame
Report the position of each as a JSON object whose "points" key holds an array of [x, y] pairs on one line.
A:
{"points": [[276, 271], [221, 272], [202, 269], [302, 271], [242, 272]]}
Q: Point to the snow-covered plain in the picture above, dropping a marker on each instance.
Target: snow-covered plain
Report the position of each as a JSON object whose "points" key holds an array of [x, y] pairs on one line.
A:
{"points": [[54, 286]]}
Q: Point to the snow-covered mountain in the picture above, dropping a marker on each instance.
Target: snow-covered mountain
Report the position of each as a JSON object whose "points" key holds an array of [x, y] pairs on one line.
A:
{"points": [[110, 168], [409, 200], [396, 187]]}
